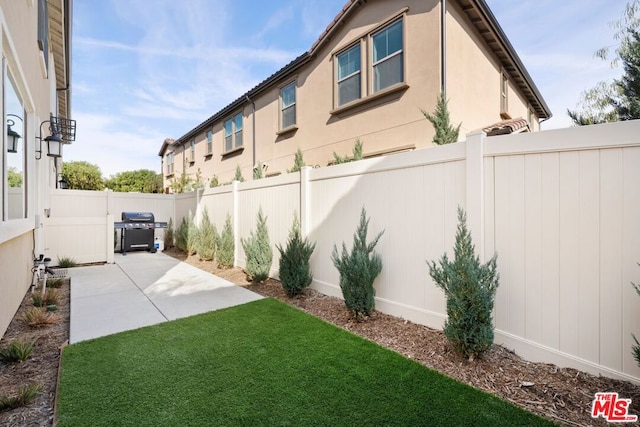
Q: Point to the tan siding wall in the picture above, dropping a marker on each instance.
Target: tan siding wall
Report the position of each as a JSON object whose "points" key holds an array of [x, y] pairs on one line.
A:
{"points": [[15, 267]]}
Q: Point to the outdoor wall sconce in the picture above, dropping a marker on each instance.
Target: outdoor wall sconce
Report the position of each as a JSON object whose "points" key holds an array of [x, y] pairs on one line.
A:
{"points": [[63, 184], [62, 130], [12, 135]]}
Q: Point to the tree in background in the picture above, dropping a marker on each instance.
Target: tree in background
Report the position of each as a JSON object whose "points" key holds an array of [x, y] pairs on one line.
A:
{"points": [[141, 181], [446, 133], [82, 175], [612, 101], [182, 184], [14, 177]]}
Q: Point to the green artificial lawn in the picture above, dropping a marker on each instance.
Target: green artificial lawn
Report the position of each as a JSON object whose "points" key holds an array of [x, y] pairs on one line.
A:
{"points": [[262, 363]]}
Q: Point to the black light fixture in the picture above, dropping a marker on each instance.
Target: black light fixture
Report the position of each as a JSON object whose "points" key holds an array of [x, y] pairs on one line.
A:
{"points": [[62, 183], [62, 130], [12, 135]]}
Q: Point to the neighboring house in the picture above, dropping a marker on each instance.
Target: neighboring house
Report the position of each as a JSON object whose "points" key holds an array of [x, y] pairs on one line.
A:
{"points": [[36, 49], [367, 76]]}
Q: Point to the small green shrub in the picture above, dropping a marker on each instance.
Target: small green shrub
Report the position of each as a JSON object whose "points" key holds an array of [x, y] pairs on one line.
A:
{"points": [[358, 270], [213, 182], [168, 235], [186, 235], [55, 283], [357, 154], [636, 348], [258, 252], [295, 272], [50, 297], [206, 240], [17, 351], [26, 395], [225, 245], [38, 317], [470, 289], [298, 162], [66, 262], [238, 176]]}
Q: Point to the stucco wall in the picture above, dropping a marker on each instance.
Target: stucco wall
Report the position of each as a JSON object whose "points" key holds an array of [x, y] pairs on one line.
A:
{"points": [[15, 265]]}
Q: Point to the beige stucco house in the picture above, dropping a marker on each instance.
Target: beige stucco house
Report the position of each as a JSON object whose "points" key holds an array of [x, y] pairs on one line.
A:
{"points": [[368, 75], [36, 58]]}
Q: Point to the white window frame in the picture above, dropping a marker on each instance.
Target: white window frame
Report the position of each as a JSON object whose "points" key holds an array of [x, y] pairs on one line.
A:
{"points": [[192, 151], [355, 73], [504, 93], [209, 142], [170, 162], [232, 134], [390, 56], [293, 105]]}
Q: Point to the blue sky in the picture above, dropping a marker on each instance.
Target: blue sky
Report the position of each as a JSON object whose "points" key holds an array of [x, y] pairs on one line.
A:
{"points": [[145, 70]]}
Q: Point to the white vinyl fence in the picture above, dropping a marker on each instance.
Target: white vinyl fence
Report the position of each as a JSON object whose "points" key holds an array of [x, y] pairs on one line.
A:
{"points": [[560, 208]]}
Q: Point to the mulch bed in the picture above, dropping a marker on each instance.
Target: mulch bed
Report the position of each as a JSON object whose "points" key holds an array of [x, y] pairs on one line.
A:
{"points": [[560, 394]]}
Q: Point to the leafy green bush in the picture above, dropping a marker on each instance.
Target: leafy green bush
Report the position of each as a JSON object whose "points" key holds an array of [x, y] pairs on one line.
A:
{"points": [[470, 289], [636, 348], [225, 245], [358, 270], [66, 262], [206, 237], [26, 395], [168, 235], [295, 272], [258, 171], [214, 181], [17, 351], [258, 252]]}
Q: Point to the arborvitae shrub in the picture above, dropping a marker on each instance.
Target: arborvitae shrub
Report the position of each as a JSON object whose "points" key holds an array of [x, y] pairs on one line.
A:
{"points": [[445, 132], [168, 235], [192, 235], [258, 252], [358, 270], [298, 162], [238, 176], [225, 245], [470, 289], [258, 171], [295, 272], [206, 241], [357, 154], [182, 234]]}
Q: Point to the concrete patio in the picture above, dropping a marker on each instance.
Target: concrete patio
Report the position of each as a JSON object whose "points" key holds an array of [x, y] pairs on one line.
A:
{"points": [[143, 289]]}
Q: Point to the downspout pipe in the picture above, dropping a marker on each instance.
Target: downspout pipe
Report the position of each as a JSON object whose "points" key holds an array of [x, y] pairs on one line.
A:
{"points": [[443, 48], [253, 128]]}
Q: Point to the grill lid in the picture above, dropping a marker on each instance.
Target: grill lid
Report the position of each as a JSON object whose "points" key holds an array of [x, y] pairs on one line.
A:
{"points": [[137, 217]]}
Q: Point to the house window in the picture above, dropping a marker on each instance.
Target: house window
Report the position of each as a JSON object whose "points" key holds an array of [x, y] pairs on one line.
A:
{"points": [[233, 133], [43, 35], [170, 161], [349, 75], [209, 142], [288, 105], [192, 151], [504, 91], [16, 158], [387, 56]]}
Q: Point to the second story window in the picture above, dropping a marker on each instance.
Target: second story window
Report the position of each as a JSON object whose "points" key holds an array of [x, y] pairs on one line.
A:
{"points": [[387, 56], [233, 133], [288, 105], [209, 142], [170, 160], [192, 151], [348, 75], [504, 93]]}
